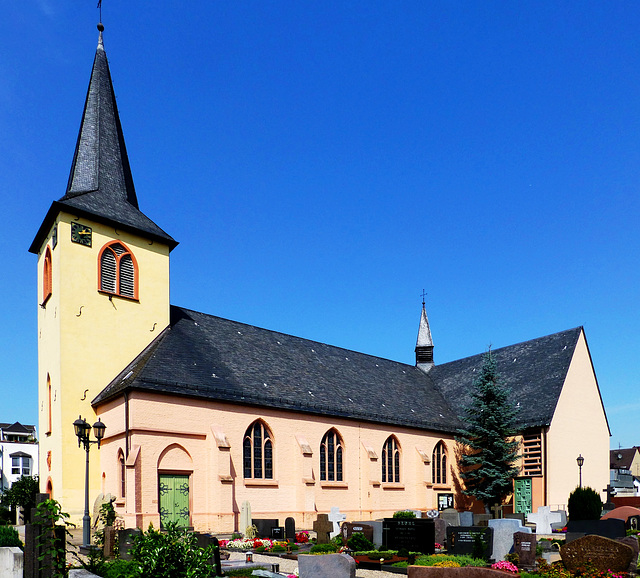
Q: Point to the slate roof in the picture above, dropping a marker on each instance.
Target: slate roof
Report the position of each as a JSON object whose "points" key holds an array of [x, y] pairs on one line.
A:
{"points": [[622, 459], [100, 183], [209, 357], [17, 428], [534, 370]]}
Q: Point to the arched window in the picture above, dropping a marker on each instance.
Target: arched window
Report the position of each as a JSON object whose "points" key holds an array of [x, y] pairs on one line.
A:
{"points": [[331, 455], [46, 276], [257, 452], [118, 271], [122, 474], [391, 460], [439, 464]]}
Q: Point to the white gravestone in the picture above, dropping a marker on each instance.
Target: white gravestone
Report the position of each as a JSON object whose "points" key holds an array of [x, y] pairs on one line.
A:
{"points": [[336, 517], [503, 531], [543, 519]]}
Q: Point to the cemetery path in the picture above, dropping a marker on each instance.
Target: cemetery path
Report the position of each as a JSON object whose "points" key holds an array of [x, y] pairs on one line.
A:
{"points": [[291, 565]]}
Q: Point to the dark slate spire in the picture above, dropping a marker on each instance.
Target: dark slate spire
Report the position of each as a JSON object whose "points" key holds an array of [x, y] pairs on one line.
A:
{"points": [[424, 344], [100, 184], [100, 162]]}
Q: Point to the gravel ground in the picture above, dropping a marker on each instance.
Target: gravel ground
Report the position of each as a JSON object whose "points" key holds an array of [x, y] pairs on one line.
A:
{"points": [[291, 565]]}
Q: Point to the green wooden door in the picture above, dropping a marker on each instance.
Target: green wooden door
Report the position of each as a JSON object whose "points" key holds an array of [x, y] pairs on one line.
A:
{"points": [[522, 493], [174, 499]]}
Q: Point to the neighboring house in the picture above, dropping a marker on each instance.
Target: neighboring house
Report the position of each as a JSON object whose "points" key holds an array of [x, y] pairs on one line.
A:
{"points": [[203, 413], [18, 453], [624, 471]]}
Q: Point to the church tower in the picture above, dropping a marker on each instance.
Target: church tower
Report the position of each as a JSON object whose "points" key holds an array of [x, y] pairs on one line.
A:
{"points": [[103, 290]]}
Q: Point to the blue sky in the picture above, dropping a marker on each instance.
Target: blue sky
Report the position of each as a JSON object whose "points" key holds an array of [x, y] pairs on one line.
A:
{"points": [[323, 163]]}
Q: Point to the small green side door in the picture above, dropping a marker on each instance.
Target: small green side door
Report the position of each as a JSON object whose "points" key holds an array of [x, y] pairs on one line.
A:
{"points": [[522, 495], [174, 499]]}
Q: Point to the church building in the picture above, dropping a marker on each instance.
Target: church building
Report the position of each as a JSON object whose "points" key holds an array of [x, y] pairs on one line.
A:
{"points": [[203, 413]]}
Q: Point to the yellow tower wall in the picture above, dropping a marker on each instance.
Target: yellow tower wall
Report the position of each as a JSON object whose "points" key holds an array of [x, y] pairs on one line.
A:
{"points": [[85, 339]]}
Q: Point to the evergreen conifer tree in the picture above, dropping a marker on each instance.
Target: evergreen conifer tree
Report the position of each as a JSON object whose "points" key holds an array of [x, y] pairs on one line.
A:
{"points": [[488, 456]]}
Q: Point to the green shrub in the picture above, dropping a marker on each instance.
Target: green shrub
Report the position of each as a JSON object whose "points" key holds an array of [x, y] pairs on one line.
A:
{"points": [[278, 548], [120, 569], [294, 547], [377, 555], [323, 549], [171, 554], [404, 514], [359, 542], [462, 560], [260, 549], [584, 504], [9, 537]]}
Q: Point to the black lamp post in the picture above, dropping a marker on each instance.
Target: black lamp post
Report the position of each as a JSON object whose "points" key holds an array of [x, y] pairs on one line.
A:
{"points": [[83, 429], [580, 461]]}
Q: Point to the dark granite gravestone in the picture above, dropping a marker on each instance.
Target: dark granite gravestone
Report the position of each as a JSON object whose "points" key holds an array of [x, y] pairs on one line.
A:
{"points": [[524, 545], [125, 541], [461, 540], [290, 529], [322, 527], [110, 537], [632, 523], [414, 534], [264, 525], [277, 533], [440, 527], [347, 530], [604, 554], [632, 541], [611, 528]]}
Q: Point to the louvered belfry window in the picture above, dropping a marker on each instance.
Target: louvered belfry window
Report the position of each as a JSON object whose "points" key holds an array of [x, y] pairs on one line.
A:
{"points": [[118, 271]]}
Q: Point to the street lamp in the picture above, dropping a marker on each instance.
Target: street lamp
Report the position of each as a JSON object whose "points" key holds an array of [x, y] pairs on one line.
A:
{"points": [[83, 429], [580, 461]]}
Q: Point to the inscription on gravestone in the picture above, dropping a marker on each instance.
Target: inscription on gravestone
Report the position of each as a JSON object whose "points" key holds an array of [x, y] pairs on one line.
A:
{"points": [[349, 530], [604, 553], [417, 534]]}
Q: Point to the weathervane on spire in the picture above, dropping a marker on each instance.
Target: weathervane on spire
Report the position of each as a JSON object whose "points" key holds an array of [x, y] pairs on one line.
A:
{"points": [[100, 8], [424, 293]]}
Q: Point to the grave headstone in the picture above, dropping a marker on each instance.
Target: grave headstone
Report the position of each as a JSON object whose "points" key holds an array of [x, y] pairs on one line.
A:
{"points": [[466, 518], [245, 517], [290, 529], [461, 540], [440, 529], [327, 566], [503, 531], [277, 533], [632, 523], [125, 541], [563, 520], [102, 499], [604, 554], [482, 519], [336, 518], [543, 519], [451, 517], [109, 542], [377, 530], [524, 545], [516, 516], [264, 525], [322, 527], [611, 528], [415, 534], [348, 529]]}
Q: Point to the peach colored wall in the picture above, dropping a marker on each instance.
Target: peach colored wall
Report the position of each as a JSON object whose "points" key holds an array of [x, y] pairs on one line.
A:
{"points": [[578, 426], [211, 434]]}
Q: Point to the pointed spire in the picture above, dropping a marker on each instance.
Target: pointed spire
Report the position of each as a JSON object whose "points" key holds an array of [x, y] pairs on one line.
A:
{"points": [[100, 184], [424, 344], [100, 162]]}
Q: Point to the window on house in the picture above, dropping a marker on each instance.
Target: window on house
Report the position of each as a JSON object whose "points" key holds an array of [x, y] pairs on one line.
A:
{"points": [[391, 460], [331, 454], [118, 271], [46, 276], [439, 464], [257, 452], [20, 465]]}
